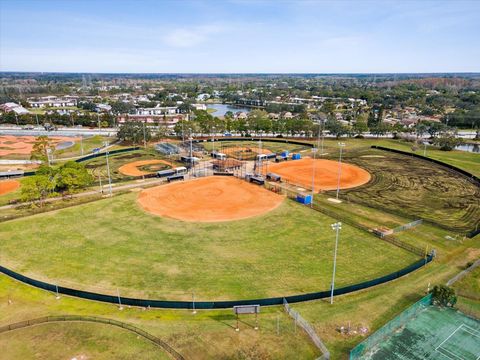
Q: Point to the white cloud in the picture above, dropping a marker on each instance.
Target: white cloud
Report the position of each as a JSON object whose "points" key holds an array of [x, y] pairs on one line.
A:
{"points": [[191, 37]]}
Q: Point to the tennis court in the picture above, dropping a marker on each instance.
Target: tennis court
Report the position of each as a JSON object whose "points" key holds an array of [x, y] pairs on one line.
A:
{"points": [[434, 333]]}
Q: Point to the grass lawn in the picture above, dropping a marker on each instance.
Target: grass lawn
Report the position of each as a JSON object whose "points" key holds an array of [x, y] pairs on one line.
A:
{"points": [[72, 340], [112, 243], [206, 335], [89, 143], [415, 188], [469, 286]]}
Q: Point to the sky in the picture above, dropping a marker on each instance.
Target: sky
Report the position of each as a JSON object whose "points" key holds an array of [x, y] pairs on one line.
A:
{"points": [[250, 36]]}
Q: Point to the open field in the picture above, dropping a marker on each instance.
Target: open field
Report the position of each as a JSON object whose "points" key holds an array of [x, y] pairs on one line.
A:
{"points": [[112, 244], [88, 144], [76, 340], [413, 187], [206, 335]]}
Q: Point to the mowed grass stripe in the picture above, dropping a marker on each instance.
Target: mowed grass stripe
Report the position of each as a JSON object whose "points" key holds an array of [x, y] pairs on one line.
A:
{"points": [[112, 244]]}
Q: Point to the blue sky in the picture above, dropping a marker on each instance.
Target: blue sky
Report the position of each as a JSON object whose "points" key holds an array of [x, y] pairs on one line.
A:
{"points": [[240, 36]]}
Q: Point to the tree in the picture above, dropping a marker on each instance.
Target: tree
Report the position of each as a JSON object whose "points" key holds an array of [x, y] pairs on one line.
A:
{"points": [[335, 128], [73, 176], [359, 128], [120, 107], [135, 132], [41, 149], [447, 142], [37, 187], [443, 295]]}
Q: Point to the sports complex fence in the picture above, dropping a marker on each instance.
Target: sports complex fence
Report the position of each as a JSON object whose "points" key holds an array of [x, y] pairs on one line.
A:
{"points": [[388, 329], [168, 304], [94, 319], [304, 324], [407, 226]]}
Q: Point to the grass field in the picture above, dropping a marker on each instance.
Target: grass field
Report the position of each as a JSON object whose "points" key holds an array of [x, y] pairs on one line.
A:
{"points": [[416, 188], [206, 335], [275, 147], [88, 143], [74, 340], [112, 244]]}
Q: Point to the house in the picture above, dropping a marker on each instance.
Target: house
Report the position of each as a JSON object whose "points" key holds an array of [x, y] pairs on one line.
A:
{"points": [[203, 97], [14, 107], [103, 108], [240, 115], [287, 115], [273, 116], [166, 120], [200, 107], [53, 101], [158, 110]]}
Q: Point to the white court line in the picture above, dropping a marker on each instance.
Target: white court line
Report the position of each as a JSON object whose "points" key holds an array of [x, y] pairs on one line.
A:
{"points": [[449, 336], [448, 351], [475, 331]]}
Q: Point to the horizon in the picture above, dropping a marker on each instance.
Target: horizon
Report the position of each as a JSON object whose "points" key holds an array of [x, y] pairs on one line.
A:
{"points": [[240, 37]]}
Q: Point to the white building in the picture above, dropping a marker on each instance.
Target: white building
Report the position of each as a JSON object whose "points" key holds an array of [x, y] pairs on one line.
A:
{"points": [[16, 108]]}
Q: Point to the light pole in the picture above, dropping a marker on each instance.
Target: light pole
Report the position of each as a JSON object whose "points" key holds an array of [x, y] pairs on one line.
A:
{"points": [[144, 136], [313, 173], [425, 148], [323, 135], [337, 227], [108, 172], [213, 139], [341, 145]]}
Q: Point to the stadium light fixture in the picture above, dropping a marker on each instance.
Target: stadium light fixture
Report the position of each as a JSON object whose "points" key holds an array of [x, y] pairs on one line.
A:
{"points": [[341, 146], [336, 227]]}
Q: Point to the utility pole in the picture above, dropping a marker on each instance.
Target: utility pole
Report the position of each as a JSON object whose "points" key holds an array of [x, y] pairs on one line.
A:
{"points": [[341, 145], [337, 227]]}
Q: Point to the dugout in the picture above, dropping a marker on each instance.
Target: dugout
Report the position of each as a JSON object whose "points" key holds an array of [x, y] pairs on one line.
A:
{"points": [[273, 177], [304, 199]]}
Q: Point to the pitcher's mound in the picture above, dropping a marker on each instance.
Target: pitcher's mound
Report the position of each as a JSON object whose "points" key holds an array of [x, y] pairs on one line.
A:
{"points": [[7, 186], [209, 199], [299, 172]]}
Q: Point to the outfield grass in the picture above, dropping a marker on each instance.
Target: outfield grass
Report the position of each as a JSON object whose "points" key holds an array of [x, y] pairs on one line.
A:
{"points": [[415, 188], [73, 340], [89, 143], [112, 244], [275, 147]]}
